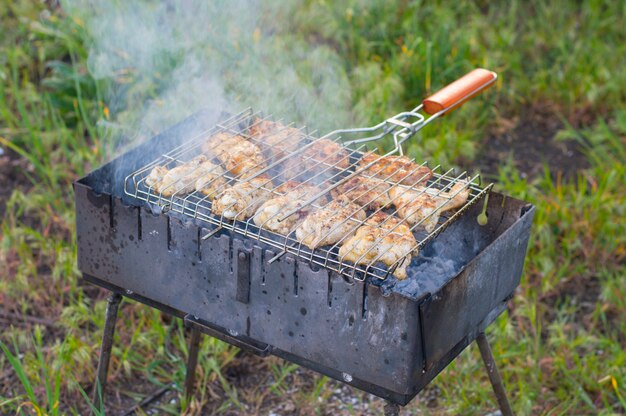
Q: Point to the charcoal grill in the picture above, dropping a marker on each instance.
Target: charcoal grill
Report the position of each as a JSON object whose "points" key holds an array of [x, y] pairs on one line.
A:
{"points": [[266, 293]]}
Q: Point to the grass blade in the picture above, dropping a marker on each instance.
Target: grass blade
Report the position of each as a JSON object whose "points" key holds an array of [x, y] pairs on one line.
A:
{"points": [[19, 370]]}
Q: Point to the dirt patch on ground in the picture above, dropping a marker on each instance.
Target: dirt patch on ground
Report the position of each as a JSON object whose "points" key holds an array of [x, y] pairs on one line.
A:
{"points": [[529, 140], [581, 296], [12, 176], [580, 292], [255, 384]]}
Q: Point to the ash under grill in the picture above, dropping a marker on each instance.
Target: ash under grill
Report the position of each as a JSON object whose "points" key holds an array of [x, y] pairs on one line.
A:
{"points": [[325, 173]]}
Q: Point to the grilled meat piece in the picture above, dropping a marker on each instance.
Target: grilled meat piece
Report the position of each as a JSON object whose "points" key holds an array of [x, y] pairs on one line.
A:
{"points": [[383, 238], [181, 179], [276, 139], [241, 201], [295, 194], [316, 160], [220, 143], [326, 151], [239, 156], [427, 204], [370, 193], [212, 181], [399, 169], [330, 223], [294, 186], [156, 176]]}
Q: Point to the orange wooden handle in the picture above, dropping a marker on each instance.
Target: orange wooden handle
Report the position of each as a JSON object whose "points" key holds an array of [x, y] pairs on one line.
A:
{"points": [[461, 90]]}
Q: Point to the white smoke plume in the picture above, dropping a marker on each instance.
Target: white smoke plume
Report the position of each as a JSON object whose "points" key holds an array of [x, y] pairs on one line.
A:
{"points": [[170, 59]]}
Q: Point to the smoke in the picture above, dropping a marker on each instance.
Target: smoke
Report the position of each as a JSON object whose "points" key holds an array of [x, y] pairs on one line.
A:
{"points": [[163, 61]]}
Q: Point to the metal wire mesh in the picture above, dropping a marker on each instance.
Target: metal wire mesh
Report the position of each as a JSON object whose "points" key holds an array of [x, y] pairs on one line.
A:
{"points": [[294, 160]]}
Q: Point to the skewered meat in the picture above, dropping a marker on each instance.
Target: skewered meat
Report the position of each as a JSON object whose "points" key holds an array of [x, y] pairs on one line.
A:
{"points": [[330, 223], [239, 156], [399, 169], [383, 238], [181, 179], [276, 139], [370, 193], [296, 193], [427, 204], [241, 201]]}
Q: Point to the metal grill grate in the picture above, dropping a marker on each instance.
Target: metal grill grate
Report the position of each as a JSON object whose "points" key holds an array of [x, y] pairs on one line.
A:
{"points": [[327, 172]]}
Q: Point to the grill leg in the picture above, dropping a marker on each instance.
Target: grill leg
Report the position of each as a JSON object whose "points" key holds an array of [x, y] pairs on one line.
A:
{"points": [[192, 361], [391, 409], [105, 349], [494, 376]]}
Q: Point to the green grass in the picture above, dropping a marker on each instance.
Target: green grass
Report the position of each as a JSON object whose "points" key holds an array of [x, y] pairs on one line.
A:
{"points": [[557, 355]]}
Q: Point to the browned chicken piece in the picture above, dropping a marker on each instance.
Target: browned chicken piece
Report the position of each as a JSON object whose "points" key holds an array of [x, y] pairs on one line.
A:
{"points": [[276, 139], [239, 156], [293, 186], [295, 194], [326, 151], [180, 180], [211, 182], [330, 224], [220, 142], [317, 160], [156, 175], [427, 204], [370, 193], [399, 169], [241, 201], [383, 238]]}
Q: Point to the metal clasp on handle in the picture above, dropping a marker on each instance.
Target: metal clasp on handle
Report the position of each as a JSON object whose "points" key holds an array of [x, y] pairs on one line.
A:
{"points": [[399, 120], [407, 129], [398, 125]]}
